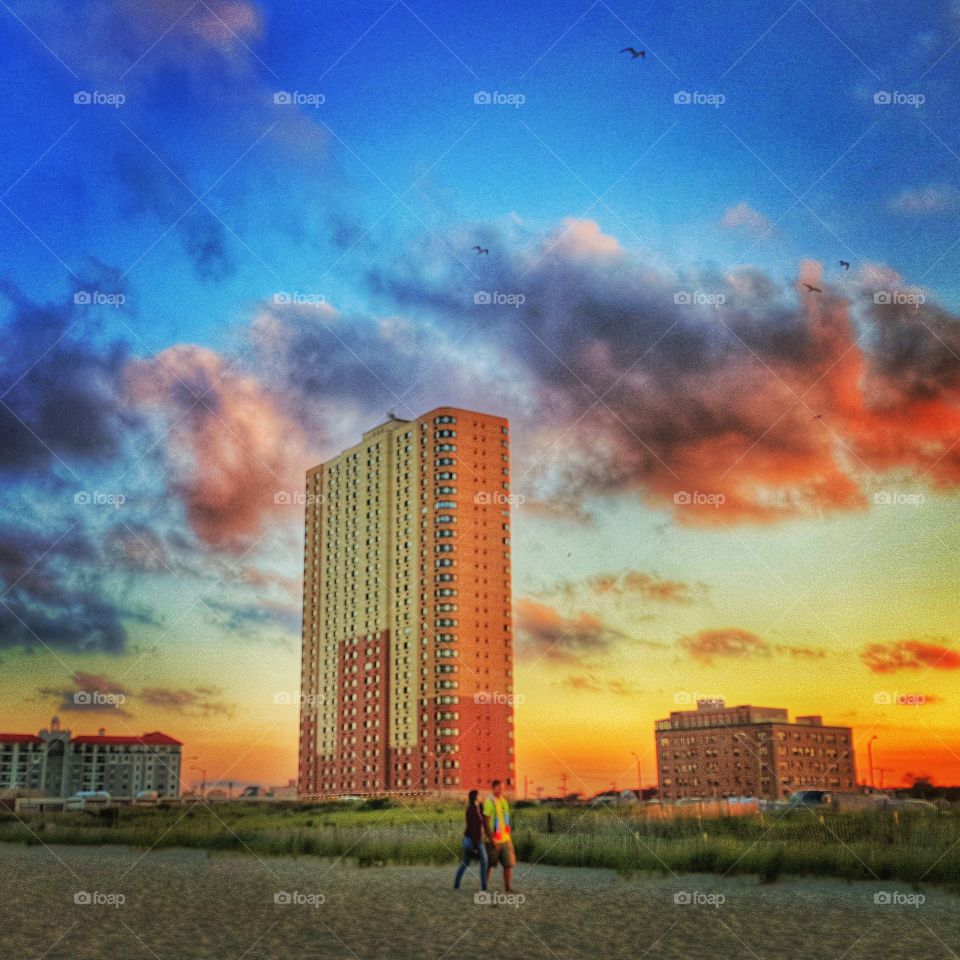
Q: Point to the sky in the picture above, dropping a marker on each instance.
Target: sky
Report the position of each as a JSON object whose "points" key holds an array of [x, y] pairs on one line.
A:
{"points": [[719, 307]]}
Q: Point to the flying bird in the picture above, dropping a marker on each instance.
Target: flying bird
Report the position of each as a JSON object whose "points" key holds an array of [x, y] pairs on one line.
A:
{"points": [[812, 288], [634, 53], [480, 249], [845, 264], [818, 416]]}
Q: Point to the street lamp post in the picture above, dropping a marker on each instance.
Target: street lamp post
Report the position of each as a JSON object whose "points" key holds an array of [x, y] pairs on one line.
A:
{"points": [[870, 759], [203, 784], [636, 757]]}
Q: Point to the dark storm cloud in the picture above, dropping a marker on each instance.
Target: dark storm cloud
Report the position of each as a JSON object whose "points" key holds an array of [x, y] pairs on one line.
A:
{"points": [[50, 594], [252, 619], [152, 189], [60, 394], [89, 693], [769, 401]]}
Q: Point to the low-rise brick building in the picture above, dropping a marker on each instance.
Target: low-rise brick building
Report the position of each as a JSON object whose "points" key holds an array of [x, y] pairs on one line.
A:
{"points": [[720, 751]]}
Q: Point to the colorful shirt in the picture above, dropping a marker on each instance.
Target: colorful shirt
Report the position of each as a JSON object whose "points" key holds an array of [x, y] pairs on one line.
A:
{"points": [[497, 811]]}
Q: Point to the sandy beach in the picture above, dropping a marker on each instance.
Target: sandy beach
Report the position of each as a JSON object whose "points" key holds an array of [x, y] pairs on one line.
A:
{"points": [[180, 905]]}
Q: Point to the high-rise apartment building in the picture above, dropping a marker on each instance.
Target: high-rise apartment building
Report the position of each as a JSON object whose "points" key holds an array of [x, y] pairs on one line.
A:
{"points": [[720, 751], [407, 671]]}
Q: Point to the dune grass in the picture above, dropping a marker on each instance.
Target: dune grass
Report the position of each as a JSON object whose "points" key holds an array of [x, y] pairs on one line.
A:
{"points": [[871, 845]]}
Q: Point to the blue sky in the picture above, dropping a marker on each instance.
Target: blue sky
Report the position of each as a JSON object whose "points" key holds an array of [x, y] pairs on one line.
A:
{"points": [[198, 395]]}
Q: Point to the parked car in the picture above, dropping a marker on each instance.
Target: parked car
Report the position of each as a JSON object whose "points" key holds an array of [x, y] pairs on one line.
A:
{"points": [[810, 798], [88, 800], [146, 798]]}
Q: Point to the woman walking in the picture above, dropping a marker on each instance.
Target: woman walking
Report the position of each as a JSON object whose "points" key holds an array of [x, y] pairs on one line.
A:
{"points": [[473, 845]]}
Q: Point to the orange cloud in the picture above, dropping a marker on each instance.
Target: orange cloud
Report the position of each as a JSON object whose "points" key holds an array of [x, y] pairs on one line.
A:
{"points": [[544, 631], [231, 449], [909, 655], [732, 642]]}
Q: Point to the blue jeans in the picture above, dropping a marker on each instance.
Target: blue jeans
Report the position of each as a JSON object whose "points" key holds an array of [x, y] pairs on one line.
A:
{"points": [[466, 850]]}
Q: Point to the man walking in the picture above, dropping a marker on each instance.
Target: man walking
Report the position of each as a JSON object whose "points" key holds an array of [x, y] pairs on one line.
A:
{"points": [[496, 812]]}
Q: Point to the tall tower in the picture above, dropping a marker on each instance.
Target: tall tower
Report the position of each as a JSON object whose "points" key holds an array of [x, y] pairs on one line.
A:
{"points": [[407, 672]]}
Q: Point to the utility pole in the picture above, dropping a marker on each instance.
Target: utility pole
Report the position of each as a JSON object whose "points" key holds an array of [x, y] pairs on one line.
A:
{"points": [[563, 785], [870, 759]]}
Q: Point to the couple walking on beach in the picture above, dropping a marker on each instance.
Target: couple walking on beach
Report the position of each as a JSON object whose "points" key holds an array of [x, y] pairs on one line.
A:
{"points": [[487, 837]]}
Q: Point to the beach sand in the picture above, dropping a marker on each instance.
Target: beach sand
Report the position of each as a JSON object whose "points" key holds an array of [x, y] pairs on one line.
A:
{"points": [[186, 905]]}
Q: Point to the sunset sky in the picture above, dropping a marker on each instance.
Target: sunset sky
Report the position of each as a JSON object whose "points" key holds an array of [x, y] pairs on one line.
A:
{"points": [[235, 235]]}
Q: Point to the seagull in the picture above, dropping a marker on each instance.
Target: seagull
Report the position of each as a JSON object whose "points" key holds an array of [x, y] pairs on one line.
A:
{"points": [[845, 264], [480, 249], [812, 288], [634, 53]]}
